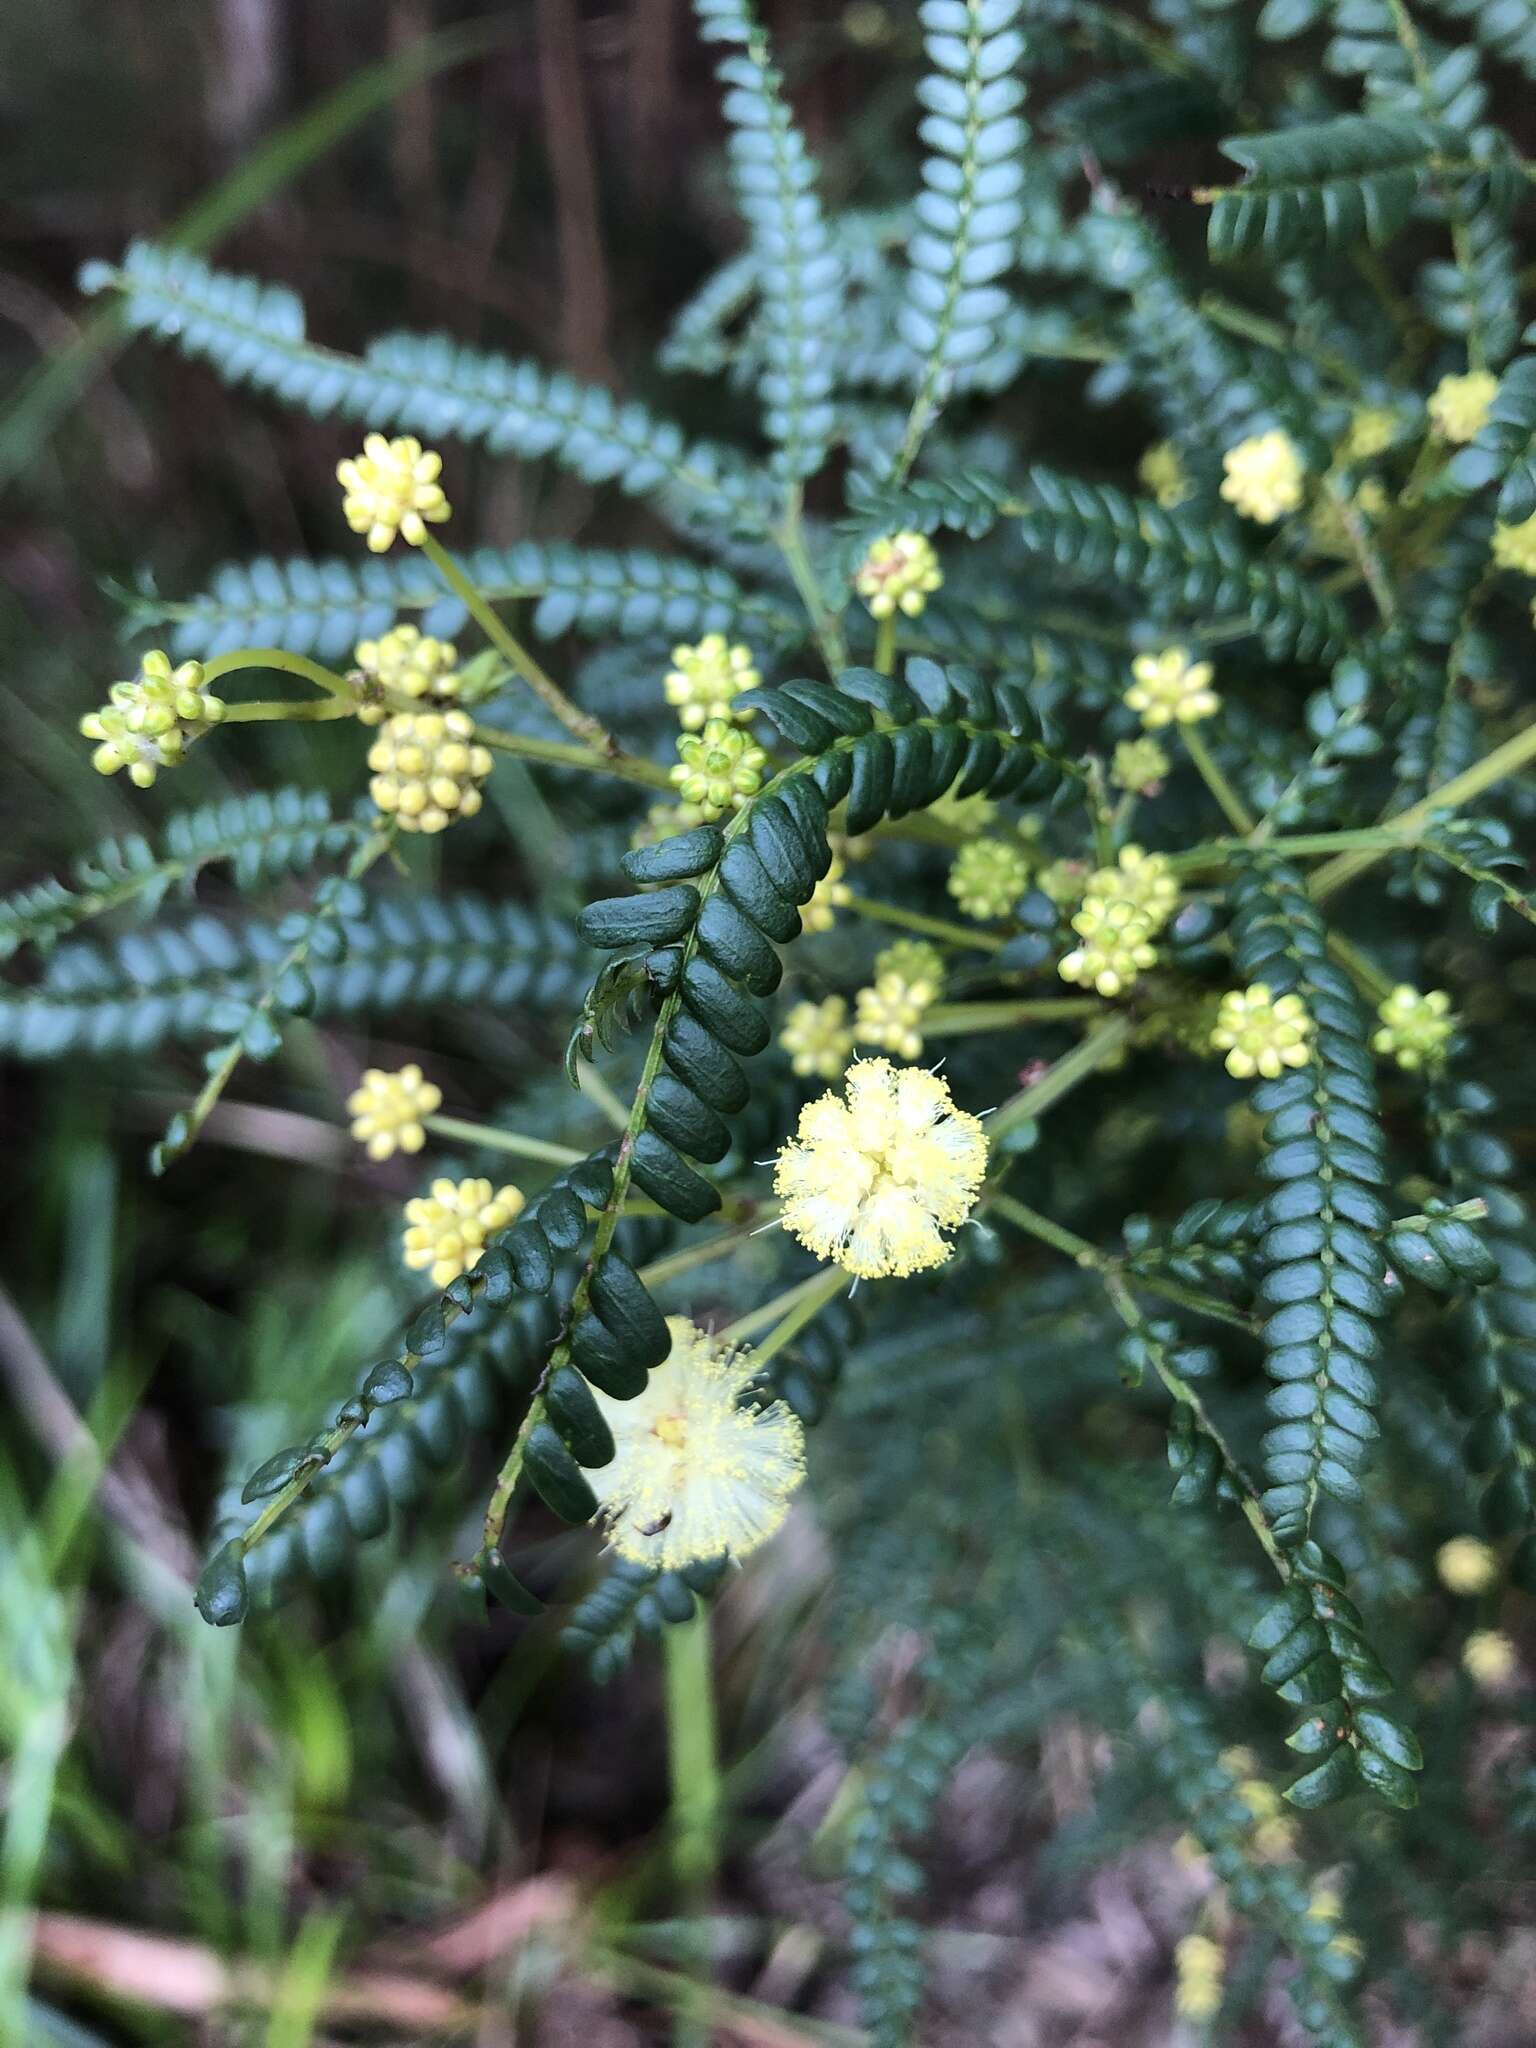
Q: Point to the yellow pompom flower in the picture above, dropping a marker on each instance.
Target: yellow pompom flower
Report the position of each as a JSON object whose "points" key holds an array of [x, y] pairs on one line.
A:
{"points": [[1139, 766], [1415, 1029], [913, 960], [1372, 430], [1466, 1565], [818, 1038], [899, 574], [1263, 476], [427, 769], [1171, 689], [1514, 547], [1199, 1969], [1116, 945], [446, 1230], [1163, 474], [874, 1178], [697, 1471], [827, 898], [1260, 1033], [1064, 881], [704, 681], [1144, 880], [890, 1014], [405, 662], [392, 488], [717, 770], [1459, 406], [988, 877], [148, 723], [1489, 1658], [387, 1110]]}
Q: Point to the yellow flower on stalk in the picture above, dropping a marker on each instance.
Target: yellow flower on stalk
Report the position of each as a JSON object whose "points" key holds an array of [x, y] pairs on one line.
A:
{"points": [[1372, 430], [1139, 766], [1199, 1968], [913, 960], [1459, 406], [891, 1012], [1116, 945], [148, 723], [988, 877], [1466, 1565], [1261, 1033], [1514, 547], [447, 1229], [1264, 476], [1144, 880], [387, 1110], [717, 770], [698, 1471], [1415, 1029], [1489, 1658], [405, 662], [428, 769], [827, 898], [704, 681], [872, 1179], [899, 574], [392, 488], [1164, 475], [1171, 689], [818, 1038]]}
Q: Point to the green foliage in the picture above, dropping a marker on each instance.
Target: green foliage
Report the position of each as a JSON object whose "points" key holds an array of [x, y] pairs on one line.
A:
{"points": [[1331, 182]]}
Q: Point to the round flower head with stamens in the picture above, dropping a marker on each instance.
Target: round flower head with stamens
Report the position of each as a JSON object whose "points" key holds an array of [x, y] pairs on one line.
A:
{"points": [[697, 1472], [1263, 477], [1514, 547], [1199, 1966], [988, 877], [1416, 1030], [392, 488], [405, 662], [827, 898], [1139, 766], [1171, 689], [1262, 1034], [1459, 406], [891, 1013], [704, 680], [1144, 880], [1117, 945], [1466, 1565], [872, 1179], [1489, 1658], [1164, 475], [717, 770], [913, 960], [899, 574], [148, 723], [428, 769], [1372, 430], [387, 1110], [447, 1230], [818, 1038]]}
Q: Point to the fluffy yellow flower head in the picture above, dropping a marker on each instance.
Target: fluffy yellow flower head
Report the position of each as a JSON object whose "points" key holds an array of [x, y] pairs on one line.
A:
{"points": [[1199, 1967], [1415, 1029], [1263, 476], [1514, 547], [387, 1110], [1171, 689], [1163, 474], [407, 663], [899, 574], [891, 1012], [1459, 406], [447, 1229], [1372, 430], [146, 724], [392, 488], [695, 1472], [717, 770], [1262, 1034], [1116, 945], [988, 877], [818, 1038], [1466, 1565], [1489, 1657], [704, 680], [827, 898], [873, 1181], [427, 769], [1140, 766]]}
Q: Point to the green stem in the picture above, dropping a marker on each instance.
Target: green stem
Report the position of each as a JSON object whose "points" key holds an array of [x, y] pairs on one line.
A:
{"points": [[826, 626], [560, 754], [495, 1140], [789, 1312], [930, 927], [1062, 1076], [280, 659], [308, 710], [1364, 970], [704, 1253], [1233, 809], [955, 1020], [693, 1759], [1218, 854], [885, 645]]}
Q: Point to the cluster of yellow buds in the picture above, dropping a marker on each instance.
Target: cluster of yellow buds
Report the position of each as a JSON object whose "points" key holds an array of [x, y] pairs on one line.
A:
{"points": [[1170, 689], [827, 898], [1199, 1967], [1139, 766], [427, 769], [1123, 909], [404, 662], [1489, 1658], [1274, 1831], [1372, 430], [1415, 1029], [446, 1230], [1326, 1904], [1144, 879], [1459, 406], [1261, 1033], [388, 1110], [145, 724], [1466, 1565], [988, 877], [909, 977], [1514, 547], [1064, 881], [899, 574], [704, 681], [717, 770], [1264, 476], [1164, 475], [392, 488], [818, 1038]]}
